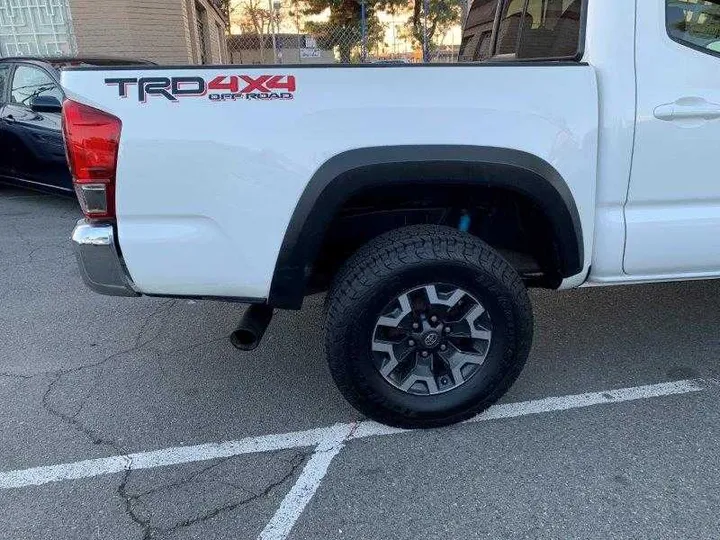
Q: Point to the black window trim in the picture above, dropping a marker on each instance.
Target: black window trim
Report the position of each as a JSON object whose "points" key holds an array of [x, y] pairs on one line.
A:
{"points": [[512, 57], [687, 44], [16, 65]]}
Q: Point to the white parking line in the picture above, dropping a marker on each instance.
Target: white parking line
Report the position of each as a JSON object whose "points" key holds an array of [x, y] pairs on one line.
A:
{"points": [[306, 485], [552, 404], [177, 455], [329, 441], [279, 527]]}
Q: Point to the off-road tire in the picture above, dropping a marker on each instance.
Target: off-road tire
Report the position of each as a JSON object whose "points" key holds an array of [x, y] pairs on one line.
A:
{"points": [[396, 262]]}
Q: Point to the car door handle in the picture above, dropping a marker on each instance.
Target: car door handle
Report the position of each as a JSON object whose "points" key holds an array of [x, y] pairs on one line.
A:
{"points": [[688, 109], [10, 119]]}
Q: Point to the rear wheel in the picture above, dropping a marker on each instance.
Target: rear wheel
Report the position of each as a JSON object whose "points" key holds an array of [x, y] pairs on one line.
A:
{"points": [[426, 326]]}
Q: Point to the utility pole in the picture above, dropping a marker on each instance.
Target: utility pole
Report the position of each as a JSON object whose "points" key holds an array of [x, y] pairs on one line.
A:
{"points": [[273, 30], [426, 45], [277, 5], [363, 32]]}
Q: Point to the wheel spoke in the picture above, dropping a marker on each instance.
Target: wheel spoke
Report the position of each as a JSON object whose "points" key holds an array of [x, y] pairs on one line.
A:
{"points": [[390, 362], [471, 318], [422, 372], [393, 321], [455, 360], [396, 353], [467, 327], [450, 301]]}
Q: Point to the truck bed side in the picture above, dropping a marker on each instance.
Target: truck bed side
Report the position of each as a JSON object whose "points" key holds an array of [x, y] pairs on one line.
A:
{"points": [[206, 185]]}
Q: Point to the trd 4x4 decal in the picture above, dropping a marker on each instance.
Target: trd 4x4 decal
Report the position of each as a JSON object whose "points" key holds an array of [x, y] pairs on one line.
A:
{"points": [[221, 88]]}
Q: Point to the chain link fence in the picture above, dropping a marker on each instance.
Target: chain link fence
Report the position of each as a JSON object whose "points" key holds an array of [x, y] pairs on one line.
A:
{"points": [[279, 36]]}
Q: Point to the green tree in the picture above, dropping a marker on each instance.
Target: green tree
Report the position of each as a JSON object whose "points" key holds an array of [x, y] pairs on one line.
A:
{"points": [[441, 16], [343, 27], [254, 18], [228, 7]]}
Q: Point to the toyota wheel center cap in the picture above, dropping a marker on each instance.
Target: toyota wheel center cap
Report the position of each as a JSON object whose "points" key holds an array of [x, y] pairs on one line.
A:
{"points": [[431, 340]]}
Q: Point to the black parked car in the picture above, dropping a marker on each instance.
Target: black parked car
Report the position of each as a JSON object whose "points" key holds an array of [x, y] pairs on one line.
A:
{"points": [[32, 153]]}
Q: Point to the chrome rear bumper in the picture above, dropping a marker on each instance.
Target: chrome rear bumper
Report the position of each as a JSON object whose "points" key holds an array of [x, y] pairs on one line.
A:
{"points": [[101, 265]]}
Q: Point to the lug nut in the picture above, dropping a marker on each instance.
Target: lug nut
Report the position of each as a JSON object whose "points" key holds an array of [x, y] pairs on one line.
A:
{"points": [[444, 380], [434, 318], [443, 347], [447, 329], [424, 354], [415, 326], [411, 342]]}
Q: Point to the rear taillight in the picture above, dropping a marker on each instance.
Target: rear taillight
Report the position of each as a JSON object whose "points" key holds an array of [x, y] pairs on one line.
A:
{"points": [[91, 139]]}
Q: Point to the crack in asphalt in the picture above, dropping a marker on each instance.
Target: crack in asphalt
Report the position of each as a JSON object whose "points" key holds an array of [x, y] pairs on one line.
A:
{"points": [[59, 373], [71, 418], [189, 478], [149, 531], [19, 233], [162, 308], [197, 345], [135, 507], [9, 375]]}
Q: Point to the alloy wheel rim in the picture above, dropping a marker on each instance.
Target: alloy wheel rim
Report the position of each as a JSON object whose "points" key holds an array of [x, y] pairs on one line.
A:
{"points": [[431, 339]]}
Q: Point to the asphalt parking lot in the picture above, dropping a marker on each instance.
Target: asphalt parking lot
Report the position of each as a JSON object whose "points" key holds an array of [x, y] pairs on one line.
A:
{"points": [[189, 438]]}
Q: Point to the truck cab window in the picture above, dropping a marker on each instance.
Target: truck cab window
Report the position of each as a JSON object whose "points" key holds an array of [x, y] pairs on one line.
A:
{"points": [[695, 23], [478, 31], [526, 29], [513, 18], [553, 31]]}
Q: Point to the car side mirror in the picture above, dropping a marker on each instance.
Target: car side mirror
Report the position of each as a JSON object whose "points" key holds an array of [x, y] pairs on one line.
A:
{"points": [[46, 104]]}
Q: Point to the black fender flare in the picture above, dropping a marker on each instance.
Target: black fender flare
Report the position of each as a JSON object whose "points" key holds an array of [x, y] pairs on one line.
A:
{"points": [[346, 174]]}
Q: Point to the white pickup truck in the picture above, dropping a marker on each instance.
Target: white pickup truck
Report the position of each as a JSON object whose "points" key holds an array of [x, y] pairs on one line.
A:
{"points": [[574, 146]]}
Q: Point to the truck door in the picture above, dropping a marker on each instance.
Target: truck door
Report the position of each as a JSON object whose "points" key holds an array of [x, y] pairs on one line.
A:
{"points": [[673, 207]]}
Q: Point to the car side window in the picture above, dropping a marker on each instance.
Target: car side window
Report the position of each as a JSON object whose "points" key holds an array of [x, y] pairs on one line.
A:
{"points": [[695, 23], [4, 76], [30, 82]]}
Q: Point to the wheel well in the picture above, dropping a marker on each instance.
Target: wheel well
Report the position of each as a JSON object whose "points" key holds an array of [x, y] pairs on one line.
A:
{"points": [[509, 222], [515, 201]]}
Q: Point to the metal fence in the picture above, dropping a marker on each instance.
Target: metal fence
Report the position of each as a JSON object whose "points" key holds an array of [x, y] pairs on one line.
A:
{"points": [[288, 36], [36, 27]]}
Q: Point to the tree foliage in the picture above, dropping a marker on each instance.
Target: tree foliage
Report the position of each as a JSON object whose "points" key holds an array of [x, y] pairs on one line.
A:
{"points": [[343, 28], [255, 18], [441, 16], [337, 25], [228, 7]]}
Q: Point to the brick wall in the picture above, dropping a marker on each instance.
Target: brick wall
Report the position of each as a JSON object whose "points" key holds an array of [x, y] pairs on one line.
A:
{"points": [[163, 31], [101, 26], [215, 44]]}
